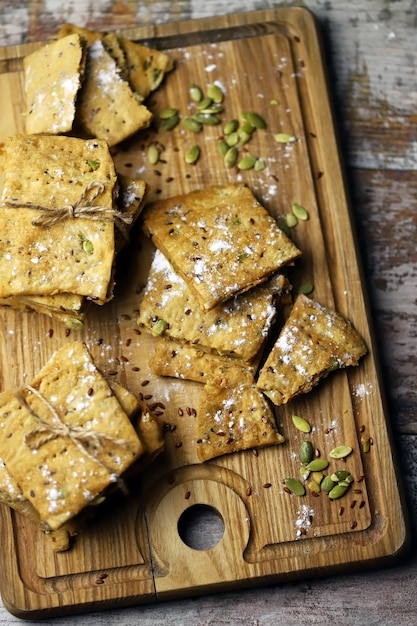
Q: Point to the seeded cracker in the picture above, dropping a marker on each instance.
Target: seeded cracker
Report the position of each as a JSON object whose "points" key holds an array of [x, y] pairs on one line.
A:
{"points": [[236, 327], [60, 472], [53, 76], [188, 362], [143, 67], [220, 240], [107, 107], [68, 308], [313, 342], [76, 254], [233, 419]]}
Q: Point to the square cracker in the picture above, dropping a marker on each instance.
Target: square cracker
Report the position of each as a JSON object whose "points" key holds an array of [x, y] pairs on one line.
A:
{"points": [[232, 419], [182, 360], [220, 240], [53, 76], [70, 308], [107, 107], [237, 327], [66, 438], [313, 342], [52, 172]]}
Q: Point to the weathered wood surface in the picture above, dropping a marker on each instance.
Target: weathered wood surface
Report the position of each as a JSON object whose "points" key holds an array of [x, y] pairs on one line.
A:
{"points": [[371, 52]]}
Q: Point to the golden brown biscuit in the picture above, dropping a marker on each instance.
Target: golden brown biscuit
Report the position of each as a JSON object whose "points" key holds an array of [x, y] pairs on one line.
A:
{"points": [[183, 360], [53, 75], [232, 419], [220, 240], [237, 327], [313, 342], [107, 107], [66, 438], [57, 175]]}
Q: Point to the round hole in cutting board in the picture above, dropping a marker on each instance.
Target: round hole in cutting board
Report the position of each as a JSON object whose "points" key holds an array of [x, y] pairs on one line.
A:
{"points": [[201, 527]]}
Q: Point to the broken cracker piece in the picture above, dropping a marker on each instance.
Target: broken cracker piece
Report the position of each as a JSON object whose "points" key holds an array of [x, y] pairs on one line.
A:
{"points": [[233, 419], [182, 360], [53, 76], [237, 327], [313, 342], [107, 107]]}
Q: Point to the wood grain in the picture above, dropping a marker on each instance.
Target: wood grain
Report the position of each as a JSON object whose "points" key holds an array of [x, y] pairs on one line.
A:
{"points": [[267, 547]]}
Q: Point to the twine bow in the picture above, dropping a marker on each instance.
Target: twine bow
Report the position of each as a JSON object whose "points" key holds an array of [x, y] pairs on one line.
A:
{"points": [[87, 441], [84, 207]]}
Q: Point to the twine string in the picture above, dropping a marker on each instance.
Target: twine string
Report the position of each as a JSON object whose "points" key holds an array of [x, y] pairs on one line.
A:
{"points": [[88, 442], [84, 207]]}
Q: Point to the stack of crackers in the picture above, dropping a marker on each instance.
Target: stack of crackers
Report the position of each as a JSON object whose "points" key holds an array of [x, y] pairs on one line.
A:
{"points": [[213, 292], [93, 81], [68, 439], [64, 215]]}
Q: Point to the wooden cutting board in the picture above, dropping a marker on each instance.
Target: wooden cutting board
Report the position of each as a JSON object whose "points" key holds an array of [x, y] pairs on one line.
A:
{"points": [[143, 548]]}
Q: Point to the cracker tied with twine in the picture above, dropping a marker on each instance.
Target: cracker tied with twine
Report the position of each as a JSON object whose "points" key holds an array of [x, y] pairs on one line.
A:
{"points": [[65, 437], [83, 207], [59, 222]]}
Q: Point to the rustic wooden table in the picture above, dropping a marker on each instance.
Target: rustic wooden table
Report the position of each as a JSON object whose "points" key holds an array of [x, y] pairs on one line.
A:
{"points": [[371, 52]]}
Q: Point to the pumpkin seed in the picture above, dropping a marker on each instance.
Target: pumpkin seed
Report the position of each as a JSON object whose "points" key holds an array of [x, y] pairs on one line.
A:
{"points": [[365, 443], [340, 475], [230, 127], [291, 220], [207, 119], [284, 138], [274, 101], [327, 484], [212, 109], [301, 424], [222, 147], [337, 492], [167, 113], [192, 155], [340, 452], [244, 137], [317, 465], [230, 157], [305, 288], [247, 163], [204, 103], [304, 473], [159, 327], [259, 165], [215, 93], [88, 246], [254, 119], [247, 128], [232, 139], [306, 452], [195, 93], [300, 212], [295, 486], [171, 122], [153, 154], [192, 124]]}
